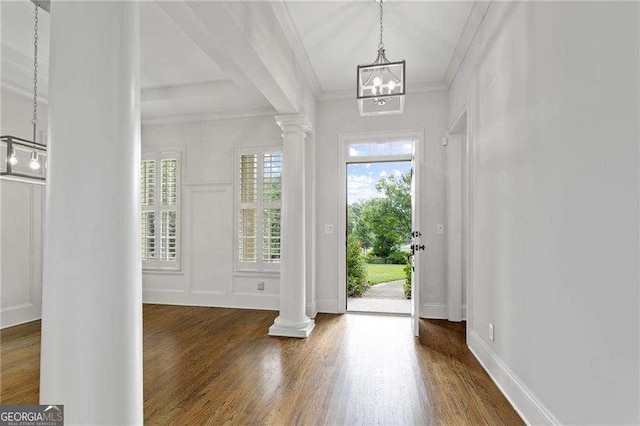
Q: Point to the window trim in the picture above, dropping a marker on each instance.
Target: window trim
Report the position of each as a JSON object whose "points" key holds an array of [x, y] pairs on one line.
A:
{"points": [[258, 267], [159, 154]]}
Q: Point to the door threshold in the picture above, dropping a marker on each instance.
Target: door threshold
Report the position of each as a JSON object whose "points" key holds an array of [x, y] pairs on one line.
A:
{"points": [[390, 314]]}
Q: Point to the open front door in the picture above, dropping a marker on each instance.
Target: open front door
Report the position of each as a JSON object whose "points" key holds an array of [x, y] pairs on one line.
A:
{"points": [[416, 247]]}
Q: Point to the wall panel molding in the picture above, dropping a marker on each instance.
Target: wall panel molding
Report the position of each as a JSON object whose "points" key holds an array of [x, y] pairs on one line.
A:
{"points": [[207, 278], [27, 201]]}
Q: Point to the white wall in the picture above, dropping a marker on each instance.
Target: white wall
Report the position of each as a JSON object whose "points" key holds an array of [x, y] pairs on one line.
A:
{"points": [[21, 208], [207, 277], [553, 91], [428, 111]]}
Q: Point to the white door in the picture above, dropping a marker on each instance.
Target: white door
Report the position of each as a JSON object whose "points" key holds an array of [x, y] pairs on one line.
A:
{"points": [[416, 248]]}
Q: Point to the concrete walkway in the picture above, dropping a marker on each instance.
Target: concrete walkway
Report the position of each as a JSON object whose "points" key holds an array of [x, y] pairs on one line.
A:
{"points": [[391, 290], [384, 297]]}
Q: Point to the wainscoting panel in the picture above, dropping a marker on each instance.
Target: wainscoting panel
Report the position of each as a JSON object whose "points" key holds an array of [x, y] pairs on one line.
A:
{"points": [[20, 252], [207, 277], [210, 229]]}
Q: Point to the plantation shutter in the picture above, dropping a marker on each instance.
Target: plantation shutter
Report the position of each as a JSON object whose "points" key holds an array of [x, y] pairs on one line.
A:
{"points": [[148, 198], [248, 207], [169, 199], [160, 196], [259, 201], [271, 198]]}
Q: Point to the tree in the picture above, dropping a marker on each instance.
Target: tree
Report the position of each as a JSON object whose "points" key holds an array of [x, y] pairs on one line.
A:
{"points": [[397, 192], [357, 226], [388, 218]]}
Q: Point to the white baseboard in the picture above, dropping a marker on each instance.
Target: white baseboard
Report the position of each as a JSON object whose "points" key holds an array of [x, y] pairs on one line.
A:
{"points": [[240, 301], [532, 411], [327, 306], [19, 314], [439, 311]]}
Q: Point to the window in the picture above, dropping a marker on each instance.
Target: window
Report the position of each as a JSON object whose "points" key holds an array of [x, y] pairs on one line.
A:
{"points": [[259, 204], [380, 149], [160, 197]]}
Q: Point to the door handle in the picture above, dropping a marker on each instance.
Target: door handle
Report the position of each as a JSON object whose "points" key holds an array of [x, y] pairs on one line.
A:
{"points": [[416, 234], [417, 247]]}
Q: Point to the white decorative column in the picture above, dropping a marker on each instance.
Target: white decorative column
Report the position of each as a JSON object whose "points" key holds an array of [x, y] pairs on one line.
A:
{"points": [[91, 357], [293, 321]]}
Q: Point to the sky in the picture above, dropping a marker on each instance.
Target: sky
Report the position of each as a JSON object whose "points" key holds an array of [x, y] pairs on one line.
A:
{"points": [[362, 178]]}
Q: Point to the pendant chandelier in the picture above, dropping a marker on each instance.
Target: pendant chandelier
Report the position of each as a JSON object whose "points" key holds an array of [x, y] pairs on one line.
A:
{"points": [[381, 85], [22, 159]]}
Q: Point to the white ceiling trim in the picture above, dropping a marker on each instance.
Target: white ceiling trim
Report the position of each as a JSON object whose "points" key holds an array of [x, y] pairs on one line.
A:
{"points": [[283, 17], [12, 87], [412, 89], [471, 27], [209, 116], [218, 88]]}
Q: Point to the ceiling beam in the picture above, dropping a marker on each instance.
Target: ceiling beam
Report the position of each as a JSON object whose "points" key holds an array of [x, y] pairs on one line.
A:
{"points": [[290, 31], [246, 41], [187, 20]]}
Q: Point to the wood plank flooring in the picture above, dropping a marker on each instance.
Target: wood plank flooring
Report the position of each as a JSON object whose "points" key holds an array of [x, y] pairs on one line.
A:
{"points": [[215, 366]]}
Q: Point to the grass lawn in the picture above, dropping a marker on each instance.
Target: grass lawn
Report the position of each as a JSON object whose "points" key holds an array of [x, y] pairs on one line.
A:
{"points": [[377, 274]]}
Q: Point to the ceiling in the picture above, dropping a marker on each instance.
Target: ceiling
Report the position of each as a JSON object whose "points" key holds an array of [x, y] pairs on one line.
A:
{"points": [[338, 35], [179, 79]]}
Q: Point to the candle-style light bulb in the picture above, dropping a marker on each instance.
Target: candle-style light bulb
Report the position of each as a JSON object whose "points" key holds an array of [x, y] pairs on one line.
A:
{"points": [[13, 160], [34, 164]]}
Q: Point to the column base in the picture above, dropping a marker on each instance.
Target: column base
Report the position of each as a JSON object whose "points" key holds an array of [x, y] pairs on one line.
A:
{"points": [[300, 330]]}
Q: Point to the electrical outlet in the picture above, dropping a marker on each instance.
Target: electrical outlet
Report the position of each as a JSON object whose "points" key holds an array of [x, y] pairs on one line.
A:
{"points": [[261, 285], [440, 229], [491, 331], [328, 229]]}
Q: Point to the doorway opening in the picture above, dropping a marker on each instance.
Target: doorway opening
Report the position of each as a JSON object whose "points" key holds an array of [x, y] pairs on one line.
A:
{"points": [[458, 186], [379, 225], [379, 149]]}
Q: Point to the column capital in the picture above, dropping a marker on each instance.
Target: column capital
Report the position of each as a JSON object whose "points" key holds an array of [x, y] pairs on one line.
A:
{"points": [[293, 123]]}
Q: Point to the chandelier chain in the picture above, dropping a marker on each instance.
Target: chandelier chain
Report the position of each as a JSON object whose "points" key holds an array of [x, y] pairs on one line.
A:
{"points": [[381, 44], [34, 121]]}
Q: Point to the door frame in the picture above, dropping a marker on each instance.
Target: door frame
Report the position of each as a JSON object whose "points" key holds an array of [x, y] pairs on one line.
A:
{"points": [[462, 125], [346, 139]]}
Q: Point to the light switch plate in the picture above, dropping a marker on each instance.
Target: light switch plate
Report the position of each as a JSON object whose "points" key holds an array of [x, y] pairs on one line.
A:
{"points": [[261, 285], [491, 331], [441, 229]]}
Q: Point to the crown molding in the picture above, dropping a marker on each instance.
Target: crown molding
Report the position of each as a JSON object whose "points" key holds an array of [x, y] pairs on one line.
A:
{"points": [[412, 89], [474, 21], [43, 4], [208, 116]]}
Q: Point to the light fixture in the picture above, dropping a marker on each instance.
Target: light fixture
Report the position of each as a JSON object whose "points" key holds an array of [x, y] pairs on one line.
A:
{"points": [[15, 150], [381, 85]]}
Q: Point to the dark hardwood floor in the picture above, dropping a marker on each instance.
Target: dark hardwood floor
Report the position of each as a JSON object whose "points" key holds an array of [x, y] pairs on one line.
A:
{"points": [[214, 365]]}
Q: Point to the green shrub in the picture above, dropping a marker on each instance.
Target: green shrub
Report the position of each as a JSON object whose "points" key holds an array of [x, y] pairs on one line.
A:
{"points": [[372, 259], [356, 270], [397, 257], [407, 282]]}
